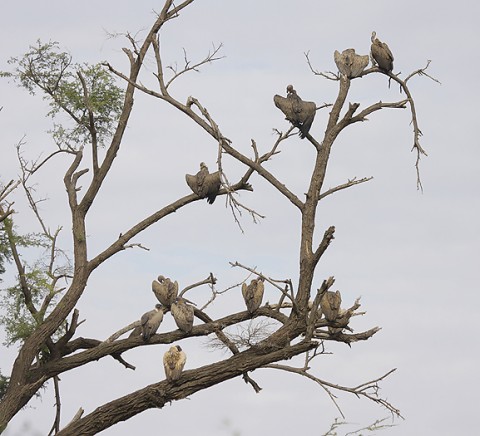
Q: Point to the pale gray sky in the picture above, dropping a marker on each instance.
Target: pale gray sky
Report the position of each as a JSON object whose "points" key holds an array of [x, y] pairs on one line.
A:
{"points": [[412, 257]]}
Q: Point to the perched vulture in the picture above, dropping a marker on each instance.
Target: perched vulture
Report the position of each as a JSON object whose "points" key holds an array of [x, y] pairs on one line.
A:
{"points": [[253, 294], [381, 54], [330, 305], [349, 63], [173, 362], [182, 314], [204, 184], [165, 290], [300, 113], [150, 322]]}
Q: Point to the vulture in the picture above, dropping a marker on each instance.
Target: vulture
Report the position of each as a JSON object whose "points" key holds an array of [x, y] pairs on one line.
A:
{"points": [[349, 63], [300, 113], [204, 184], [182, 314], [330, 304], [253, 294], [173, 362], [165, 290], [381, 54], [150, 321]]}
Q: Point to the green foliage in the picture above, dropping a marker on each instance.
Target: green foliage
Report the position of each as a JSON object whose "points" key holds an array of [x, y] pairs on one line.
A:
{"points": [[86, 93], [15, 316], [3, 385], [5, 254]]}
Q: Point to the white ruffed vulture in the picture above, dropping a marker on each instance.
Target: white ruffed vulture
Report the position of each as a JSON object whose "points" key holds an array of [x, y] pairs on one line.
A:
{"points": [[300, 113], [204, 184], [330, 304], [349, 63], [381, 54], [253, 294], [182, 314], [173, 362], [165, 290], [150, 321]]}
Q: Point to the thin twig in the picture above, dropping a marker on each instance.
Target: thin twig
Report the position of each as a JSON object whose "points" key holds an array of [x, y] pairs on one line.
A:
{"points": [[348, 184], [56, 424], [210, 280], [368, 389]]}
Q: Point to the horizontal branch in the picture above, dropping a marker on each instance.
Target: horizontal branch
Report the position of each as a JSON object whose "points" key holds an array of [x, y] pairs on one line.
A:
{"points": [[347, 338], [362, 116], [159, 394], [95, 349]]}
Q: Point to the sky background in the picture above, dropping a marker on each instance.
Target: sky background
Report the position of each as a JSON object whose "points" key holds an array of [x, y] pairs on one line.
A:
{"points": [[411, 256]]}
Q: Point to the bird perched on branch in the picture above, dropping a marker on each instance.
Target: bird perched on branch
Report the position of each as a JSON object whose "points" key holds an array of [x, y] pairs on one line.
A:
{"points": [[330, 304], [300, 113], [149, 323], [349, 63], [182, 314], [173, 362], [165, 290], [381, 54], [204, 184], [253, 294]]}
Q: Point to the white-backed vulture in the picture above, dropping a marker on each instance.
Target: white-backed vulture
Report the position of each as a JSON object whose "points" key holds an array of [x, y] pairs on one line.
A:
{"points": [[204, 184], [173, 362], [349, 63], [183, 314], [150, 321], [253, 294], [165, 290], [330, 304], [381, 53], [300, 113]]}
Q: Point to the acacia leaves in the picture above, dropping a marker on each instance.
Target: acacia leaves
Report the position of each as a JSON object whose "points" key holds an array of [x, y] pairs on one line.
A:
{"points": [[87, 94], [25, 304]]}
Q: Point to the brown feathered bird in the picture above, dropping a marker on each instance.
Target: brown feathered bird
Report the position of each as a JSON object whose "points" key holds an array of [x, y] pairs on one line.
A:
{"points": [[149, 323], [330, 304], [183, 314], [165, 290], [349, 63], [173, 362], [253, 294], [300, 113], [381, 53], [204, 184]]}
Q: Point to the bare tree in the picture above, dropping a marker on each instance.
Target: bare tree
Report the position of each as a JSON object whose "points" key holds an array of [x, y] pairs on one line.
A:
{"points": [[299, 322]]}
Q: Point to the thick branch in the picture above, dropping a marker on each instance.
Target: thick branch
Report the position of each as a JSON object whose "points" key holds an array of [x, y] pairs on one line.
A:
{"points": [[95, 349], [91, 123], [159, 394], [135, 68], [345, 337]]}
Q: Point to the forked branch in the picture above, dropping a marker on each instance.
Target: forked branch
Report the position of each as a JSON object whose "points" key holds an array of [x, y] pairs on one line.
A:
{"points": [[368, 389]]}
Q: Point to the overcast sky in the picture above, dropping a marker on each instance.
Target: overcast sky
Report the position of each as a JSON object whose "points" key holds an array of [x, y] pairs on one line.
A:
{"points": [[412, 257]]}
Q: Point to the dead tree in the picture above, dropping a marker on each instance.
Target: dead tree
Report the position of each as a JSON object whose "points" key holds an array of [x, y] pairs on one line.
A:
{"points": [[303, 329]]}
